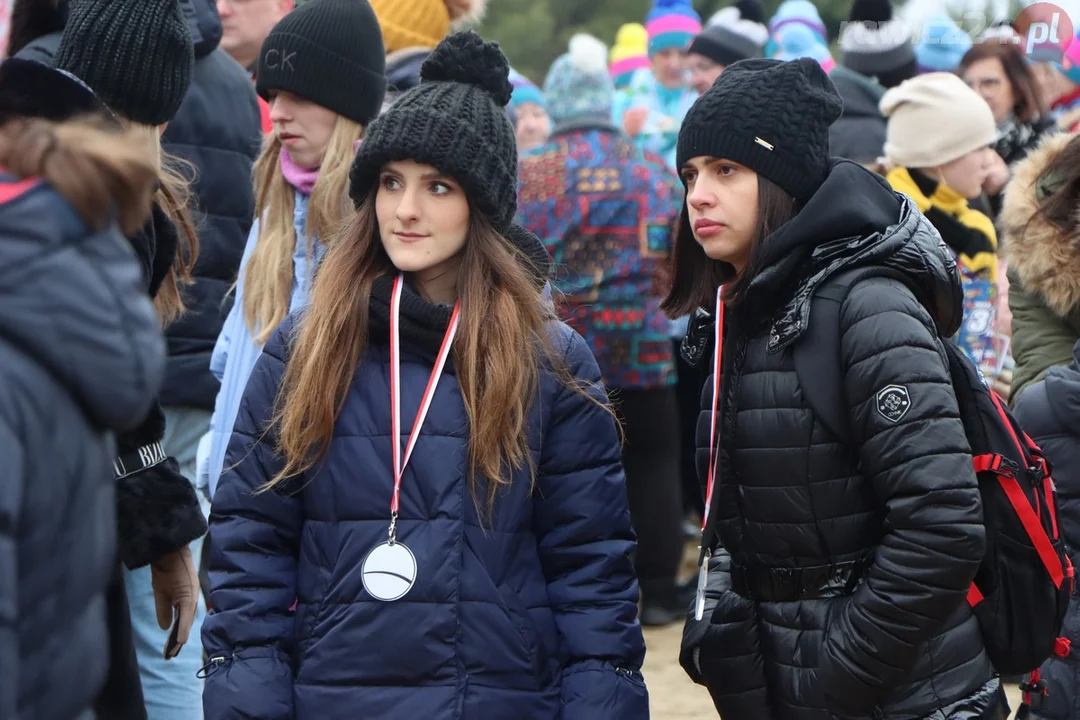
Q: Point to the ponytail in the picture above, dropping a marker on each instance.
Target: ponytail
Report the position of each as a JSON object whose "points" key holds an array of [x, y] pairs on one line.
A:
{"points": [[104, 175]]}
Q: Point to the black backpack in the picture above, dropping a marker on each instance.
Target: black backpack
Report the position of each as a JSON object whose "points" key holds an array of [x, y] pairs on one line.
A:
{"points": [[1022, 588]]}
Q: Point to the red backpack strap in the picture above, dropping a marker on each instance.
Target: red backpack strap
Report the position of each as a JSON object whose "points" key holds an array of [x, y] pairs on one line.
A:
{"points": [[11, 189]]}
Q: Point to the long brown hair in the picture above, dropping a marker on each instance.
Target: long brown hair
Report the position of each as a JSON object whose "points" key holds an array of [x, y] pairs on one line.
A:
{"points": [[695, 276], [269, 277], [103, 174], [502, 326], [1028, 105], [173, 195]]}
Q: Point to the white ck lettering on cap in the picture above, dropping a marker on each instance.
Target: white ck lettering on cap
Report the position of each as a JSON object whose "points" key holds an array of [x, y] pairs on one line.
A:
{"points": [[277, 59]]}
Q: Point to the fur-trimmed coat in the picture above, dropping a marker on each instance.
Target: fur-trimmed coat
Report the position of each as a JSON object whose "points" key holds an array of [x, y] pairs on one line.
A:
{"points": [[1044, 273]]}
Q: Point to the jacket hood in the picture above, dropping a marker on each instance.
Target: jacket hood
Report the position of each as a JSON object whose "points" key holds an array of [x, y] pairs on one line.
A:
{"points": [[403, 68], [204, 23], [1045, 259], [860, 94], [854, 220], [29, 88], [74, 302], [43, 49], [1063, 391]]}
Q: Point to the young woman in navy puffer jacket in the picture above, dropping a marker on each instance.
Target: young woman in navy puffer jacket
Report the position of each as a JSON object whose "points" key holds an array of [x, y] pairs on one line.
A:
{"points": [[496, 583]]}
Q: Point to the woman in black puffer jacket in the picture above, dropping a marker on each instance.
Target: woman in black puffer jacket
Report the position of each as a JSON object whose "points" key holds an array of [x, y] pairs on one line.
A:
{"points": [[837, 581]]}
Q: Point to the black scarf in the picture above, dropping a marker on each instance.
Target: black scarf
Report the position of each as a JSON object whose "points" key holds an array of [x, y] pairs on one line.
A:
{"points": [[423, 324], [155, 245], [1017, 139]]}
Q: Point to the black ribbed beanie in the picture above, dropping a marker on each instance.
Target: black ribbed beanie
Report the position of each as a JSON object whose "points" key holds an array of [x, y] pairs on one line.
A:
{"points": [[329, 52], [136, 55], [454, 120], [772, 116]]}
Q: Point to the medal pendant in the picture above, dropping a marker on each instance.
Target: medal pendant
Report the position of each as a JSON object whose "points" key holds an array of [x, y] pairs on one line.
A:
{"points": [[389, 571], [702, 582]]}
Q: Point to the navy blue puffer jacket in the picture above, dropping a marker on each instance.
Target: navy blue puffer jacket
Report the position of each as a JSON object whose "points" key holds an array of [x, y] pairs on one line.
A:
{"points": [[531, 617], [1049, 410], [81, 357]]}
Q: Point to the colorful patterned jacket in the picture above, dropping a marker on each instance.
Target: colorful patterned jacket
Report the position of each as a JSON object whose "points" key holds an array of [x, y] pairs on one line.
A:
{"points": [[606, 212]]}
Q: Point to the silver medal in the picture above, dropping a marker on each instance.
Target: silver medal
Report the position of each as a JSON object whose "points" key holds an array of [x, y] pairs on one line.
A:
{"points": [[389, 571], [702, 584]]}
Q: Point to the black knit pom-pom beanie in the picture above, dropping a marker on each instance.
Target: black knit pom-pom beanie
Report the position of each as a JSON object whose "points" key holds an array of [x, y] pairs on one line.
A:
{"points": [[454, 120]]}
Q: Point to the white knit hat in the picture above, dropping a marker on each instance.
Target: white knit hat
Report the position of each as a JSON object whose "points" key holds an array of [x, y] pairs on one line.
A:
{"points": [[935, 119]]}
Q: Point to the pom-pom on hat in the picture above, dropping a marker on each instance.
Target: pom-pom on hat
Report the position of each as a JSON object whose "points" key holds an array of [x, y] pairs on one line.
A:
{"points": [[630, 53], [136, 55], [875, 44], [455, 120], [671, 24], [578, 85], [942, 45], [329, 52], [423, 23]]}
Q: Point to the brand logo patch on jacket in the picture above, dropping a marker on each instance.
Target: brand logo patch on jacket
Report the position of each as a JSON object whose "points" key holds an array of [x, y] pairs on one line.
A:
{"points": [[893, 402]]}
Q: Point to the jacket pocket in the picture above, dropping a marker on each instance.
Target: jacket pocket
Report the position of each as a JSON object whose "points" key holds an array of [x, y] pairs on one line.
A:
{"points": [[529, 637]]}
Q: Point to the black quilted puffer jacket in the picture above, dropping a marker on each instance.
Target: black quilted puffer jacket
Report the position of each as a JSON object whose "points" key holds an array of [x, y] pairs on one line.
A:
{"points": [[838, 582]]}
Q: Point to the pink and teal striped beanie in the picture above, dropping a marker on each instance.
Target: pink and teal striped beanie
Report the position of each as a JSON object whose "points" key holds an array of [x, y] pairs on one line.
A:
{"points": [[671, 24]]}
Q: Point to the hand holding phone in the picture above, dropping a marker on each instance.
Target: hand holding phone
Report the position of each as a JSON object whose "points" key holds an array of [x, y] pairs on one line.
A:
{"points": [[176, 594], [173, 644]]}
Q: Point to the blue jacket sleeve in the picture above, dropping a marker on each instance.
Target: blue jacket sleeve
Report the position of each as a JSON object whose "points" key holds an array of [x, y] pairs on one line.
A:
{"points": [[11, 496], [220, 356], [585, 540], [254, 546]]}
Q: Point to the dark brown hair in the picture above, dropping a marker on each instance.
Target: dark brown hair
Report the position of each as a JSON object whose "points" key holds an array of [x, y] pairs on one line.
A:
{"points": [[1028, 106], [695, 276], [103, 174]]}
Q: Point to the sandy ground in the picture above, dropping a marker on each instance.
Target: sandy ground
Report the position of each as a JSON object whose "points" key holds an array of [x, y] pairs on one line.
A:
{"points": [[673, 696]]}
